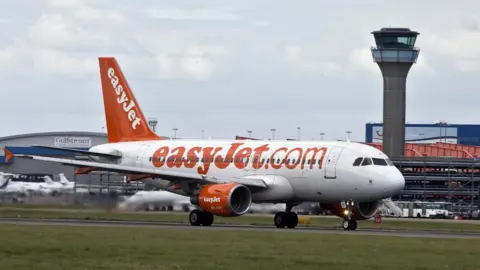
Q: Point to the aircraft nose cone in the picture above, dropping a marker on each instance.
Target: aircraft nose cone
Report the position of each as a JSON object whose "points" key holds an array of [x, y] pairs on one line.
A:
{"points": [[397, 181]]}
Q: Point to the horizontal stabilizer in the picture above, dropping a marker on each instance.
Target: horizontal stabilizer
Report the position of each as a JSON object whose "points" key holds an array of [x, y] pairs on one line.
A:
{"points": [[81, 152]]}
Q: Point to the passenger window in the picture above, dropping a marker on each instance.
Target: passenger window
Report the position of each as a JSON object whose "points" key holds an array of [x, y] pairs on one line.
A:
{"points": [[150, 159], [308, 162], [357, 161], [379, 161], [366, 162]]}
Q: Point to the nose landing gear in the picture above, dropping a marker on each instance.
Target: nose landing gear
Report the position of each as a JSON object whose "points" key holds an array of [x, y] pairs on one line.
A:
{"points": [[349, 224]]}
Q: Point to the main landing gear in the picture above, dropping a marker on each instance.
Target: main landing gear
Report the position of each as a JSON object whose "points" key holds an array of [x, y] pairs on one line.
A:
{"points": [[349, 224], [198, 217], [287, 219]]}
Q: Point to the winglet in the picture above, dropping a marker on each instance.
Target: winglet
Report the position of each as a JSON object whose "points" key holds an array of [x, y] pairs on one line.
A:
{"points": [[8, 154]]}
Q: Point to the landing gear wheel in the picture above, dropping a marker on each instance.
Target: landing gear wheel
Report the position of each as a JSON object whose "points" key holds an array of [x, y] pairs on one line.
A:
{"points": [[349, 225], [346, 224], [280, 220], [353, 225], [195, 217], [292, 220], [285, 219], [198, 217], [207, 219]]}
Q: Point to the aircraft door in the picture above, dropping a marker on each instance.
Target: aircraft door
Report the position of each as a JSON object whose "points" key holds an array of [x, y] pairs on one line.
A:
{"points": [[331, 163], [140, 153]]}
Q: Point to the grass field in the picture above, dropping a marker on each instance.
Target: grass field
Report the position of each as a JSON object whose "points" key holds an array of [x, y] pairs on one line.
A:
{"points": [[70, 247], [317, 221]]}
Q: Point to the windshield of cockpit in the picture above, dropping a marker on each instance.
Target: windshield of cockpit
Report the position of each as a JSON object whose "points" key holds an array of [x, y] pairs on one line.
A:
{"points": [[365, 161]]}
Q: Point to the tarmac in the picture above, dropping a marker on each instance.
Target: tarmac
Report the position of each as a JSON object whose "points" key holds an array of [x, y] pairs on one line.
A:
{"points": [[170, 225]]}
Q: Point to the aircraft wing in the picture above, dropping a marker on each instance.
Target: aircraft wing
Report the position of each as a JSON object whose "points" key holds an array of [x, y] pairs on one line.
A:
{"points": [[164, 174], [77, 151]]}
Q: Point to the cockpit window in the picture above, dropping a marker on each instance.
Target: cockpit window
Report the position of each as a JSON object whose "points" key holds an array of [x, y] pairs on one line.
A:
{"points": [[367, 161], [389, 162], [357, 161], [379, 161]]}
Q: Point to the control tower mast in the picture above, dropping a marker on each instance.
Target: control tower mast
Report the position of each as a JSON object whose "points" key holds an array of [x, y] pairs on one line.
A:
{"points": [[395, 54]]}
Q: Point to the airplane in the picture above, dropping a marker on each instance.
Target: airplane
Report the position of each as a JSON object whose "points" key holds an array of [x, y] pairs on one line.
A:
{"points": [[224, 177], [157, 198], [175, 202], [65, 182], [4, 180], [24, 188]]}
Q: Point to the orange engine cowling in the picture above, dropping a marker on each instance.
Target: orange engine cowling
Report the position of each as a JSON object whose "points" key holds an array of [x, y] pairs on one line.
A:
{"points": [[226, 200], [361, 210]]}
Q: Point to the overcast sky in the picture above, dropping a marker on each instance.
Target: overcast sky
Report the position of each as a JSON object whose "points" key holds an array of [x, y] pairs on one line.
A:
{"points": [[231, 66]]}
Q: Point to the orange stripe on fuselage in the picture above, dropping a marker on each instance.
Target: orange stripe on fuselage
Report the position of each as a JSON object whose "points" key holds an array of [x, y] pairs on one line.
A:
{"points": [[237, 153]]}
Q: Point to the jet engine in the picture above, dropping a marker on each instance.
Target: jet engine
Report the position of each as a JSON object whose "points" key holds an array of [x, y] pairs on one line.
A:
{"points": [[360, 211], [226, 200]]}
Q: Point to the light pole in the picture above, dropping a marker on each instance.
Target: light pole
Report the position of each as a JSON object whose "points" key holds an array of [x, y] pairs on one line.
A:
{"points": [[348, 134], [175, 132], [273, 133], [298, 131], [321, 135], [203, 133], [249, 134]]}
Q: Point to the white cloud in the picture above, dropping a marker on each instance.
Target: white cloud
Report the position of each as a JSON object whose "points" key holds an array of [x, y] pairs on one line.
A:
{"points": [[194, 14], [64, 3]]}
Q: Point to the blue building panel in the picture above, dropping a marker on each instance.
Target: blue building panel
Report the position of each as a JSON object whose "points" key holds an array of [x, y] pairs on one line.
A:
{"points": [[23, 150], [465, 134]]}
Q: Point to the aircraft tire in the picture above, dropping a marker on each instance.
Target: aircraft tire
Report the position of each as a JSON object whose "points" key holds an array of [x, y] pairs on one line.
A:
{"points": [[207, 219], [349, 225], [292, 220], [280, 219], [195, 217]]}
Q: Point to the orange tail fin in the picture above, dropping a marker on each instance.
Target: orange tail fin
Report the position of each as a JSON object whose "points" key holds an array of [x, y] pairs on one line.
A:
{"points": [[125, 120]]}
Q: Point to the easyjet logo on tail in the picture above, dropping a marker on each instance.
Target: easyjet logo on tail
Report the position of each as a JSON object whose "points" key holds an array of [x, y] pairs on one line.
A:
{"points": [[128, 105]]}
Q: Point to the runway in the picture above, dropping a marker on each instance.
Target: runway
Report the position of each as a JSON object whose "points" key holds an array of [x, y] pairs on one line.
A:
{"points": [[171, 225]]}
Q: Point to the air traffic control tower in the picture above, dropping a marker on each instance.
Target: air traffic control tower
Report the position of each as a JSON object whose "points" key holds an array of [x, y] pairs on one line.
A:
{"points": [[395, 54]]}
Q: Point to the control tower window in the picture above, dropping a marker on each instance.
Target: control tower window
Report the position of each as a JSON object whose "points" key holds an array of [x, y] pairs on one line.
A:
{"points": [[395, 42], [357, 161]]}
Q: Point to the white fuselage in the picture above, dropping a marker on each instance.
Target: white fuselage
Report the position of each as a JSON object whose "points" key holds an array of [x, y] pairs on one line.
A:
{"points": [[293, 170]]}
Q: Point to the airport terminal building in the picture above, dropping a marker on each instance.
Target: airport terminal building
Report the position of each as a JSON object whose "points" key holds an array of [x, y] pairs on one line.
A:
{"points": [[23, 144], [33, 170]]}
